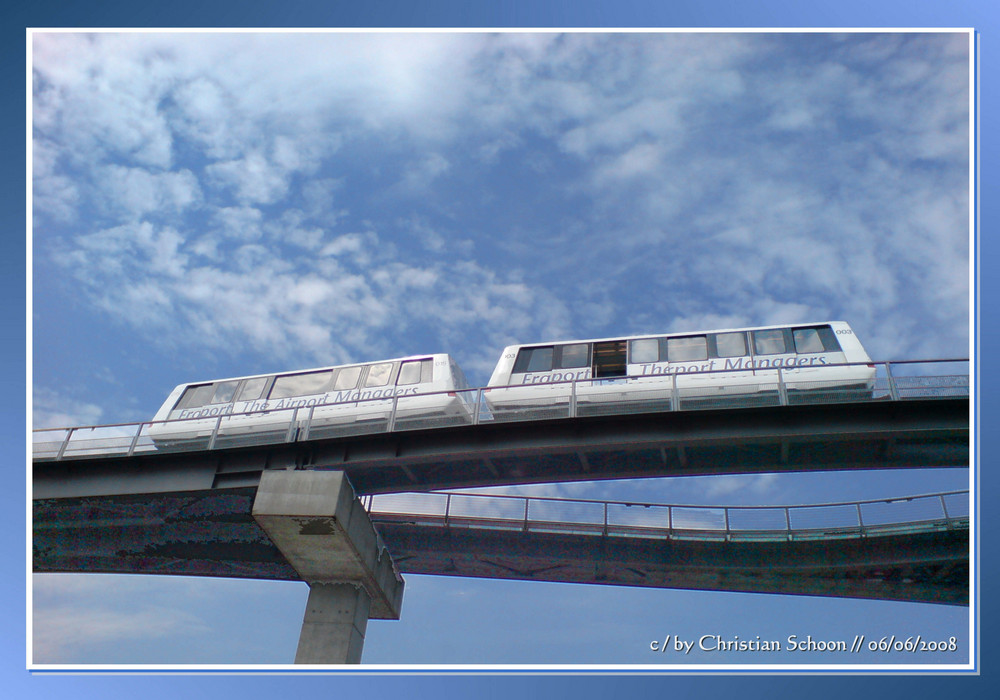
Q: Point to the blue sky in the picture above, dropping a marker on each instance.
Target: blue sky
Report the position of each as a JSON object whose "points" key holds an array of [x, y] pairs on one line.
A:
{"points": [[210, 205]]}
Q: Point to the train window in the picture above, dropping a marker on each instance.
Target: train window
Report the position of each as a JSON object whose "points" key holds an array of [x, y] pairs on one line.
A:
{"points": [[819, 339], [252, 389], [807, 340], [687, 349], [415, 372], [645, 350], [378, 375], [770, 342], [301, 384], [730, 344], [224, 391], [457, 375], [533, 360], [347, 378], [574, 356], [196, 396]]}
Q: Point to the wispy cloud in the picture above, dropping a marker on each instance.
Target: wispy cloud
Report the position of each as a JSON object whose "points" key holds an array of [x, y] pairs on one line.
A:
{"points": [[62, 633], [108, 619], [327, 198], [51, 410]]}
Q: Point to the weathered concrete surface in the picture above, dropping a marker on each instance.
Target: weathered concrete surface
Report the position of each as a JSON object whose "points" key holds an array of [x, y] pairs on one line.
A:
{"points": [[333, 628], [323, 531]]}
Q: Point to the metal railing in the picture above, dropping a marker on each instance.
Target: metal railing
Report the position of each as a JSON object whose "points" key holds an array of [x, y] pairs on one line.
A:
{"points": [[854, 519], [728, 388]]}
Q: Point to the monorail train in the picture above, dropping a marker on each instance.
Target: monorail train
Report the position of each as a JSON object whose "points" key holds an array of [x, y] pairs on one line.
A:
{"points": [[421, 385], [701, 366], [708, 366]]}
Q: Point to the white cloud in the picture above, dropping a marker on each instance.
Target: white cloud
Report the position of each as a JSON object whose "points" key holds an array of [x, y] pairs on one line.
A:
{"points": [[640, 161], [635, 123], [319, 199], [719, 488], [65, 631], [334, 307], [432, 239], [253, 179], [137, 192], [106, 618], [52, 410], [243, 223], [205, 117], [421, 175], [114, 101], [353, 244], [732, 191], [55, 195]]}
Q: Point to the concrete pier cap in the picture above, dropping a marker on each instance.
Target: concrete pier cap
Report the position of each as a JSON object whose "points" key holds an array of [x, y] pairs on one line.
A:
{"points": [[320, 526]]}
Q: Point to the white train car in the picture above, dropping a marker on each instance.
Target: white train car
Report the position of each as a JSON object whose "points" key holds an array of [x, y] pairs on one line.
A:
{"points": [[700, 366], [422, 386]]}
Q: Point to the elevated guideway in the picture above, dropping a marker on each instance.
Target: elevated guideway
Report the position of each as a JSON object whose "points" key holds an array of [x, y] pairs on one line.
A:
{"points": [[911, 549], [917, 421]]}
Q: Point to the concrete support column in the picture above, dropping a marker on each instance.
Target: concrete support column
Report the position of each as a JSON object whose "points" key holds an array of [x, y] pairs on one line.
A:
{"points": [[333, 628], [323, 531]]}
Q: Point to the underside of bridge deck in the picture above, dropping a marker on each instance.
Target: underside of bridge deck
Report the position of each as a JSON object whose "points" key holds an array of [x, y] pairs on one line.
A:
{"points": [[213, 533]]}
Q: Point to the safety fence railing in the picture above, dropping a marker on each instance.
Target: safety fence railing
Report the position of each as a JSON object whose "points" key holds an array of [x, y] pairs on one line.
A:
{"points": [[854, 519], [727, 388]]}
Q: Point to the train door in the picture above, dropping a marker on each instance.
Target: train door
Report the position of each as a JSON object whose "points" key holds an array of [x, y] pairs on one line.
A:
{"points": [[608, 367], [610, 359]]}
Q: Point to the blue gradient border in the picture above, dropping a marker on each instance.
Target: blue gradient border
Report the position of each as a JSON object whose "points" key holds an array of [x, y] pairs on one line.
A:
{"points": [[980, 16]]}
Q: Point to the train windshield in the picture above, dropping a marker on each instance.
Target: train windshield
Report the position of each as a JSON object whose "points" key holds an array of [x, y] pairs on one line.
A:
{"points": [[301, 384]]}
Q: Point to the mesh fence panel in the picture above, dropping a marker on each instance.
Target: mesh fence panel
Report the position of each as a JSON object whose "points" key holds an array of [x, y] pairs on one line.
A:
{"points": [[957, 505], [566, 512], [909, 510], [109, 440], [760, 519], [823, 517], [487, 508], [689, 518], [638, 516], [433, 504], [47, 443]]}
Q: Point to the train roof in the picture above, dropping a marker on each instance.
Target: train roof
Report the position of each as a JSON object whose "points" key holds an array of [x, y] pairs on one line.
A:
{"points": [[678, 333], [425, 356]]}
